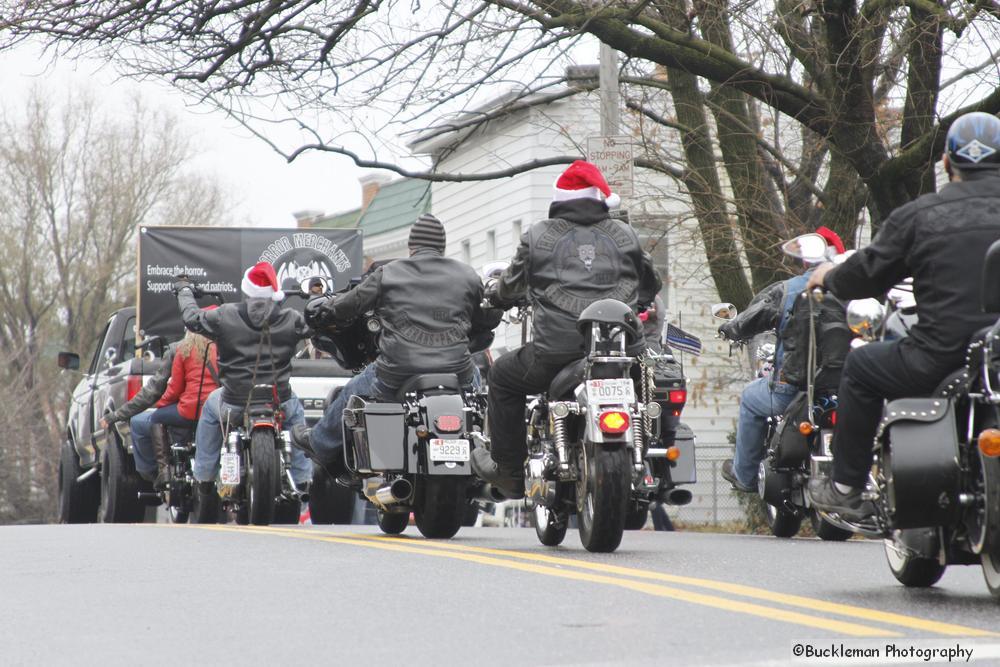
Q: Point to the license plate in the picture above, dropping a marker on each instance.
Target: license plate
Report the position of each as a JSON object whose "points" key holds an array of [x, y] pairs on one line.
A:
{"points": [[230, 473], [448, 450], [827, 441], [618, 391]]}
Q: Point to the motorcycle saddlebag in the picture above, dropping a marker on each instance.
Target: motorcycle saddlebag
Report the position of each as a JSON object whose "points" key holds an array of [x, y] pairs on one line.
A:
{"points": [[375, 435], [920, 460], [789, 447], [683, 470]]}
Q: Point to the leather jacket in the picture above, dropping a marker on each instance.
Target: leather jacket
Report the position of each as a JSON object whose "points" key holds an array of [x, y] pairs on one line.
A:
{"points": [[238, 330], [429, 306], [151, 392], [940, 239], [563, 264]]}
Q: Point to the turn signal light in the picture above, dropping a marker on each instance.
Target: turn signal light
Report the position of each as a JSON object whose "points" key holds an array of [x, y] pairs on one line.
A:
{"points": [[613, 421], [448, 423], [805, 428], [673, 453], [678, 396], [989, 442]]}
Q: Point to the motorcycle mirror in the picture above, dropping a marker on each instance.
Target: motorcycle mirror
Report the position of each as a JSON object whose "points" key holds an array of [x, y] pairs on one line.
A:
{"points": [[494, 269], [724, 311], [69, 361], [991, 279], [865, 317], [808, 248], [315, 286]]}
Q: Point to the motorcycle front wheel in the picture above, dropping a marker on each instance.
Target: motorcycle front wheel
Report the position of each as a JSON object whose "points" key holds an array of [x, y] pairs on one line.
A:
{"points": [[782, 522], [825, 530], [263, 481], [550, 526], [392, 523], [602, 495]]}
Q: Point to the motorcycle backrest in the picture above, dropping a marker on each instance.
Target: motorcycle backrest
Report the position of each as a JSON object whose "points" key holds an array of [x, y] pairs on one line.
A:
{"points": [[990, 299]]}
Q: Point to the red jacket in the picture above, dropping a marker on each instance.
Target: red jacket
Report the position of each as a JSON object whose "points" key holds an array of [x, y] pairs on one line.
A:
{"points": [[187, 375]]}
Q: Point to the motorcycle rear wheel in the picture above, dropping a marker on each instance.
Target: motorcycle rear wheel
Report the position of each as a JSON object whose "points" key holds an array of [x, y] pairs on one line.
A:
{"points": [[782, 522], [825, 530], [550, 527], [392, 523], [990, 556], [440, 506], [912, 571], [603, 495], [263, 480]]}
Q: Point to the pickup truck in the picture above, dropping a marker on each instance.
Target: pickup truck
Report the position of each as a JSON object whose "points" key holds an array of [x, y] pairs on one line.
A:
{"points": [[97, 478]]}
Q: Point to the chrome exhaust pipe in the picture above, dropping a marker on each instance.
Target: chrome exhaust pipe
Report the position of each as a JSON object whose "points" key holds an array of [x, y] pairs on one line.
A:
{"points": [[391, 493], [679, 497]]}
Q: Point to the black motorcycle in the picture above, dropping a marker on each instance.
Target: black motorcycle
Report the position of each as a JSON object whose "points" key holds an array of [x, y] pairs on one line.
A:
{"points": [[935, 480]]}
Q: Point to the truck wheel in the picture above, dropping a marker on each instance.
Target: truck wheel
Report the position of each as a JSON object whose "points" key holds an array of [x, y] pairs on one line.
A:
{"points": [[120, 487], [392, 523], [78, 501], [263, 481], [329, 502], [603, 496], [440, 506]]}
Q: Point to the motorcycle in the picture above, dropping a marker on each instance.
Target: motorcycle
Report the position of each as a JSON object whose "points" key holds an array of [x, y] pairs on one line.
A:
{"points": [[411, 452], [588, 434], [797, 442], [935, 479]]}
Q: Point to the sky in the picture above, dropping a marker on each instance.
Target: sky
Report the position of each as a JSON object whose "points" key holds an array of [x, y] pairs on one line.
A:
{"points": [[264, 189]]}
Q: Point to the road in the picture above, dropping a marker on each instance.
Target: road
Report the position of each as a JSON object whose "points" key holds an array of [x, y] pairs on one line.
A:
{"points": [[160, 594]]}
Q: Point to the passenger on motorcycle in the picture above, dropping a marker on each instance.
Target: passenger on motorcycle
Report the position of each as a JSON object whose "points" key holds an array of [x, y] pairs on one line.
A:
{"points": [[188, 374], [940, 240], [767, 397], [563, 264], [429, 306], [256, 341]]}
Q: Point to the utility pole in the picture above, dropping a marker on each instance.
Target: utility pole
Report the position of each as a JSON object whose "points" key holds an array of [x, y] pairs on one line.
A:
{"points": [[608, 79]]}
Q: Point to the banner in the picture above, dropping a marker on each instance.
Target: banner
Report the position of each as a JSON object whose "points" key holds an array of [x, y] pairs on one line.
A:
{"points": [[214, 258]]}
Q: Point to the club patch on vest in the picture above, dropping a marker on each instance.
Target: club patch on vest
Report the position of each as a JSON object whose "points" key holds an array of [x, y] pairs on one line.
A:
{"points": [[406, 328]]}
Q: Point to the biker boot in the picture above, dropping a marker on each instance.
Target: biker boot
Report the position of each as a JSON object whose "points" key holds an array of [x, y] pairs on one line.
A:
{"points": [[507, 479], [161, 452], [301, 435], [206, 508]]}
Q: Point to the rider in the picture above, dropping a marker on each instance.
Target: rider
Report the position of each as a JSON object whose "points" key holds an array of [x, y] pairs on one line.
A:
{"points": [[429, 306], [766, 396], [940, 240], [577, 256], [256, 341]]}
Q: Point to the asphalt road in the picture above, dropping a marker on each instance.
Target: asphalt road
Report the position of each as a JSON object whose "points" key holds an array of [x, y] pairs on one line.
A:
{"points": [[161, 594]]}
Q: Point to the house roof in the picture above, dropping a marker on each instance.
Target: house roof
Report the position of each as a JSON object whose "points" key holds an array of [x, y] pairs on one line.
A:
{"points": [[347, 219], [396, 205]]}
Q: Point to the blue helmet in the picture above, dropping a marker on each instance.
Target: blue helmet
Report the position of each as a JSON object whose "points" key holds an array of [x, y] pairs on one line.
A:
{"points": [[973, 142]]}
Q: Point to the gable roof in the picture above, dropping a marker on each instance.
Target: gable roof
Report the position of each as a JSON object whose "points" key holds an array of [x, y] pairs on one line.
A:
{"points": [[395, 205]]}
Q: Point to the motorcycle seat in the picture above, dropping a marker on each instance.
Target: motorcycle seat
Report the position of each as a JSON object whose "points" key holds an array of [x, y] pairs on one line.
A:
{"points": [[562, 385], [445, 382], [958, 381]]}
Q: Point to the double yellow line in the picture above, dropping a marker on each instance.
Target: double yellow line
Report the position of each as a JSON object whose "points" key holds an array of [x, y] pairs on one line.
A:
{"points": [[649, 582]]}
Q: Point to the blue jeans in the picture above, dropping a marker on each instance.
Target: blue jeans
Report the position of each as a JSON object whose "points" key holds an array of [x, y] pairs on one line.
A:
{"points": [[142, 443], [757, 403], [327, 436], [209, 437]]}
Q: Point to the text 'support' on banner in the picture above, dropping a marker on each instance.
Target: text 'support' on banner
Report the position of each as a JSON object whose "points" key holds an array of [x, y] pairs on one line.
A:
{"points": [[214, 258]]}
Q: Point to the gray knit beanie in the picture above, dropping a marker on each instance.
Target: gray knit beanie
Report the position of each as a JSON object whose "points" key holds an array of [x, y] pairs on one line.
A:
{"points": [[427, 232]]}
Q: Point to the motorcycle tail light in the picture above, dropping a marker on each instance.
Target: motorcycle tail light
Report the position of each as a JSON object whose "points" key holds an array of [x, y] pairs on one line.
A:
{"points": [[678, 396], [989, 442], [613, 421], [448, 423], [132, 386]]}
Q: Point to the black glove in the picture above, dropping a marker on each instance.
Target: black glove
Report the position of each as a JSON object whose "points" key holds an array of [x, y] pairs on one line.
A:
{"points": [[726, 331], [317, 314], [491, 293], [183, 283]]}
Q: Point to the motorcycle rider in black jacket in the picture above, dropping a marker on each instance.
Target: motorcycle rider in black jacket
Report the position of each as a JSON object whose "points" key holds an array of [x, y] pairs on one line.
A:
{"points": [[256, 341], [939, 239], [563, 264], [429, 306]]}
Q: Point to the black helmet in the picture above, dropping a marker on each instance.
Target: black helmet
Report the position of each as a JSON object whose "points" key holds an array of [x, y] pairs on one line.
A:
{"points": [[973, 142], [611, 312]]}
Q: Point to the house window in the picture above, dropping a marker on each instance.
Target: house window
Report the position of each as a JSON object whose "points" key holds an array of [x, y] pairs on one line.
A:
{"points": [[491, 245], [467, 251], [515, 233]]}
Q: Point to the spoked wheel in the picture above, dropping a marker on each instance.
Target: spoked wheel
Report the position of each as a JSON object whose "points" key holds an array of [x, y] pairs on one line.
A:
{"points": [[990, 554], [602, 496], [440, 506], [827, 531], [78, 501], [782, 522], [550, 526], [262, 477], [912, 571], [392, 523]]}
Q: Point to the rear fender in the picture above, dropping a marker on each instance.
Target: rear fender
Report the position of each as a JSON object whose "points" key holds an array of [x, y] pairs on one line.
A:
{"points": [[432, 407], [590, 416]]}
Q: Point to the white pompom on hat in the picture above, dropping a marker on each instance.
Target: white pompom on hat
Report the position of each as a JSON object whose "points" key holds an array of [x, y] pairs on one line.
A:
{"points": [[583, 180], [261, 282]]}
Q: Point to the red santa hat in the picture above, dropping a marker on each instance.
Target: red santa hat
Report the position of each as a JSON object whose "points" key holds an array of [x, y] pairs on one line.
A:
{"points": [[261, 282], [832, 239], [583, 180]]}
